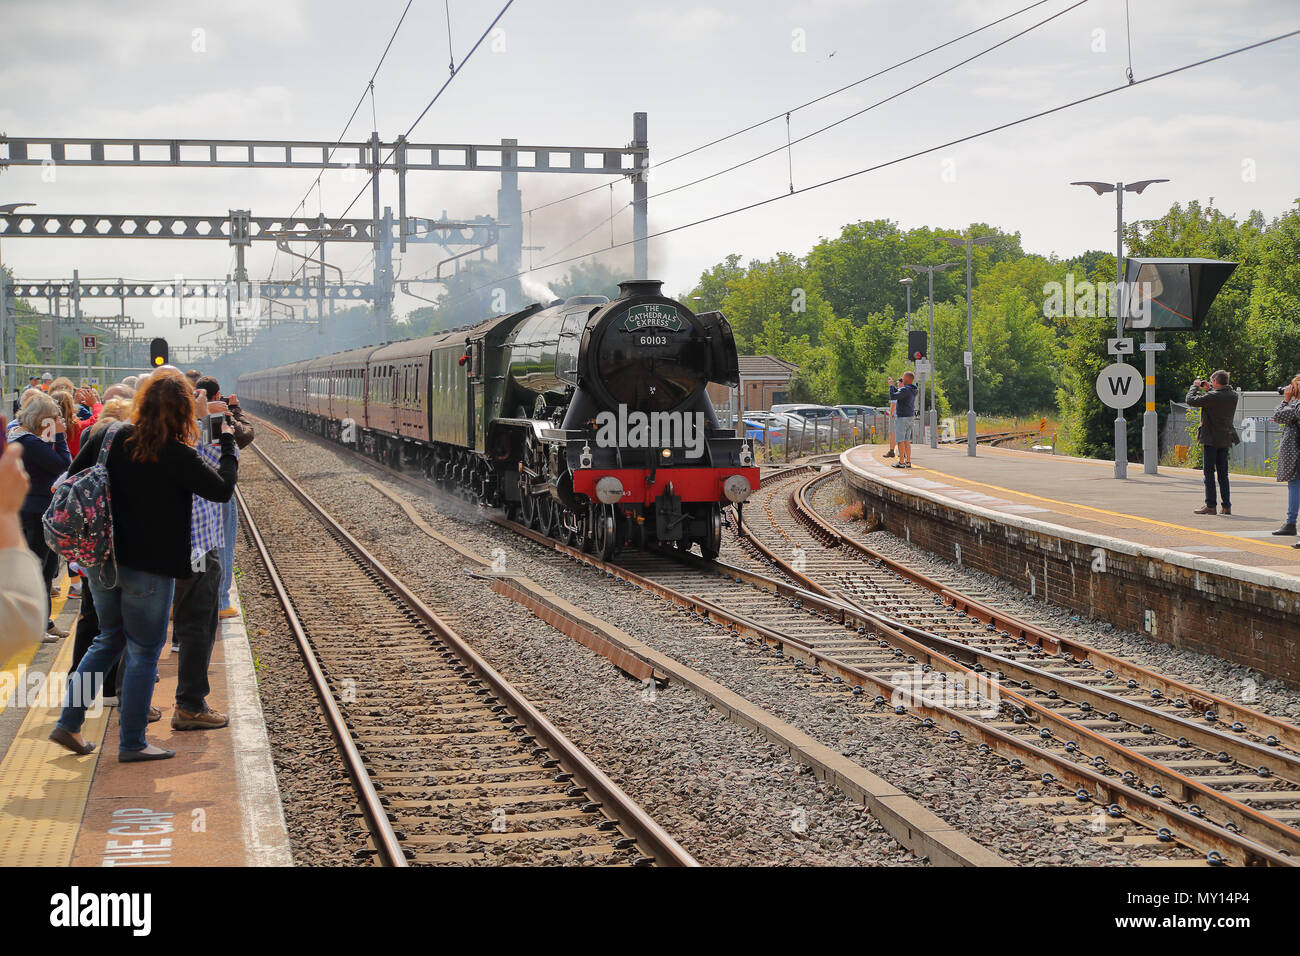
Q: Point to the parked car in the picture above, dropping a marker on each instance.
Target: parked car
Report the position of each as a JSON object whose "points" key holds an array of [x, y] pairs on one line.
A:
{"points": [[764, 427], [864, 418]]}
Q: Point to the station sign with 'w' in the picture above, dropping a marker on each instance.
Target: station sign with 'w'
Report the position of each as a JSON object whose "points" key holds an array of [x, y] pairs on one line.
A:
{"points": [[1119, 385]]}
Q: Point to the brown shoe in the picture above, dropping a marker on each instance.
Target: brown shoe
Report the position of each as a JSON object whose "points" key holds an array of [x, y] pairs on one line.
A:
{"points": [[205, 719], [227, 612], [1207, 510], [1226, 510]]}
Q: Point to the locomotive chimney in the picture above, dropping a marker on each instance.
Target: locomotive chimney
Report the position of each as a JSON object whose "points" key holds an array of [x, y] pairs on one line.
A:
{"points": [[639, 287]]}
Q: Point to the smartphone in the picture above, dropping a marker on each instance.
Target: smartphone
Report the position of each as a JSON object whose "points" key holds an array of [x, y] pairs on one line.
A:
{"points": [[214, 429]]}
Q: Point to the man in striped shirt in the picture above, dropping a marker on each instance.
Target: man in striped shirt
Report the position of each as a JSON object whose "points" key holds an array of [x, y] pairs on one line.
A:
{"points": [[195, 606]]}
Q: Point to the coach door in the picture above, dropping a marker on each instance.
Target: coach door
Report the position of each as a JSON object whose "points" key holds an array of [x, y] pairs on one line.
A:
{"points": [[474, 405]]}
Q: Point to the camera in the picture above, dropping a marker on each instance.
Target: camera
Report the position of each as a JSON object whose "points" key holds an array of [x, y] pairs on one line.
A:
{"points": [[1281, 389], [214, 427]]}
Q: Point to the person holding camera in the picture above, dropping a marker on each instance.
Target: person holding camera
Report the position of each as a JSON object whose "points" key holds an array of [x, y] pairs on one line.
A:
{"points": [[1218, 404], [195, 602], [1287, 414], [42, 433], [906, 427], [154, 473]]}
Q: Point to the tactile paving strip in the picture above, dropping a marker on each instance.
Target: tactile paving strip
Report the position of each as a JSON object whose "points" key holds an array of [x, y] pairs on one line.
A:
{"points": [[43, 788], [12, 670]]}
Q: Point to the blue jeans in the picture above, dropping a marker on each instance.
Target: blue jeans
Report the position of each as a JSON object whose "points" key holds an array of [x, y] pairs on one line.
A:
{"points": [[132, 617], [1292, 500], [230, 518]]}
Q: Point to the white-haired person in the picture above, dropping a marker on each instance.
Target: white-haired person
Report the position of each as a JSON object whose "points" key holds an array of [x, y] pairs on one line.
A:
{"points": [[40, 430]]}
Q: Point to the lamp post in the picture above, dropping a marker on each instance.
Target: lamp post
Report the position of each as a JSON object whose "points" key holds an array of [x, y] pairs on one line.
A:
{"points": [[933, 424], [907, 283], [1150, 448], [969, 357]]}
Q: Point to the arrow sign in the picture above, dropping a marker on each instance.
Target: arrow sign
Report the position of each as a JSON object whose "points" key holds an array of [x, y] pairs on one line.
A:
{"points": [[1119, 385], [1119, 346]]}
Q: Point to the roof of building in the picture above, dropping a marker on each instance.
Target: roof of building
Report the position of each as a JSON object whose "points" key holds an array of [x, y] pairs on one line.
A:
{"points": [[766, 366]]}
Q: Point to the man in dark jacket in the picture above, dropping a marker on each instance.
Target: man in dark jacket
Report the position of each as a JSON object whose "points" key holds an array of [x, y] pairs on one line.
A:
{"points": [[905, 417], [1218, 404]]}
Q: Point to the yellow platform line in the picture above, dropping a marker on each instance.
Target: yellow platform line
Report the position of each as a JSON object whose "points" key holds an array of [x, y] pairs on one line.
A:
{"points": [[44, 788], [1113, 514]]}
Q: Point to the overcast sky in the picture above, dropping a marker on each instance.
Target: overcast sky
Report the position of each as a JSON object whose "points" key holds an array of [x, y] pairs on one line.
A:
{"points": [[572, 72]]}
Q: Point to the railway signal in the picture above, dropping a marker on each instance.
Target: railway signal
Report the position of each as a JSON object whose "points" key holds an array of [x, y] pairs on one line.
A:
{"points": [[158, 352], [917, 344]]}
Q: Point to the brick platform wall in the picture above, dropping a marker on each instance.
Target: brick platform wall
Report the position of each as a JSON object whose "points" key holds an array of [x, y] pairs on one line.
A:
{"points": [[1202, 610]]}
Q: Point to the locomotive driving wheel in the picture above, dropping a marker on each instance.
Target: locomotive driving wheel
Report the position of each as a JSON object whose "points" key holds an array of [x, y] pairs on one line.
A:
{"points": [[548, 516], [711, 543], [605, 532], [527, 509]]}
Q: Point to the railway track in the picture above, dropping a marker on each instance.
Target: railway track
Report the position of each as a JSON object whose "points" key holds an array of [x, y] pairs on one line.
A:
{"points": [[1203, 755], [451, 763], [1099, 750]]}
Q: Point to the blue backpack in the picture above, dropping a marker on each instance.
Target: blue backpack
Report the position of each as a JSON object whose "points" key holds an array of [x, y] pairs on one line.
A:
{"points": [[79, 521]]}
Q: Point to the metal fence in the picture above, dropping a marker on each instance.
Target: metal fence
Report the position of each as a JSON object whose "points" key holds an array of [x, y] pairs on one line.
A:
{"points": [[1256, 454], [789, 440]]}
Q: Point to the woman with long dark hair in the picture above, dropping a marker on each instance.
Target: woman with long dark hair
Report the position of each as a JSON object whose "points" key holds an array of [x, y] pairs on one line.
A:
{"points": [[153, 473]]}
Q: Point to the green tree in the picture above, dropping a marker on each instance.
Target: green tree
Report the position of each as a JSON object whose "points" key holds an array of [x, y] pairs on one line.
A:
{"points": [[861, 268], [1275, 299]]}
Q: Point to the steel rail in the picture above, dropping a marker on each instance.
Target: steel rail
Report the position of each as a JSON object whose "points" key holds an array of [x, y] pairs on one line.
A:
{"points": [[651, 838], [1287, 734], [944, 652], [1152, 811], [387, 844]]}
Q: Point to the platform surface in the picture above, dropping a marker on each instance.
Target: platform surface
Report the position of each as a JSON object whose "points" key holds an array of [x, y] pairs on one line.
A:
{"points": [[216, 803], [1083, 494]]}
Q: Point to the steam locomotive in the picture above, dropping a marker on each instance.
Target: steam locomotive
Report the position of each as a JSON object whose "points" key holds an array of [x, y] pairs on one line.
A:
{"points": [[587, 419]]}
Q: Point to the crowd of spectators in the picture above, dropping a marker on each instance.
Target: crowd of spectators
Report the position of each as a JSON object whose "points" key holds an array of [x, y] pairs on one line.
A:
{"points": [[173, 444]]}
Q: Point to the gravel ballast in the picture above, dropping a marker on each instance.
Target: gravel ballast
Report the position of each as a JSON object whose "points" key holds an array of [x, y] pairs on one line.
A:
{"points": [[973, 792], [726, 794]]}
